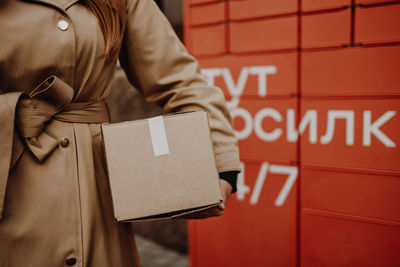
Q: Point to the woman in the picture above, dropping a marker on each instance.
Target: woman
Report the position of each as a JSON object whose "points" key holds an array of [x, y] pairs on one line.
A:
{"points": [[57, 62]]}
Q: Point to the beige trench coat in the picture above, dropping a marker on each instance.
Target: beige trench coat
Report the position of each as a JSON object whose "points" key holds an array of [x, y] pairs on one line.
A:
{"points": [[54, 198]]}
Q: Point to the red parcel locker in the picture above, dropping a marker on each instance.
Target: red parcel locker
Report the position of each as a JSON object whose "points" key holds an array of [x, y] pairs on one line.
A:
{"points": [[314, 5], [326, 29], [377, 24], [260, 126], [262, 35], [195, 2], [336, 241], [351, 72], [349, 217], [368, 2], [253, 76], [204, 14], [208, 40], [254, 231], [358, 195], [250, 9], [365, 136]]}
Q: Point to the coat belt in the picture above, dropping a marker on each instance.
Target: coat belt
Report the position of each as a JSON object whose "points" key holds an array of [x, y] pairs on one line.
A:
{"points": [[51, 100]]}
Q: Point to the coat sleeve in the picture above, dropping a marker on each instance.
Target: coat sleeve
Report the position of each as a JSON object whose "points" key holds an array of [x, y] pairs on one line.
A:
{"points": [[158, 65]]}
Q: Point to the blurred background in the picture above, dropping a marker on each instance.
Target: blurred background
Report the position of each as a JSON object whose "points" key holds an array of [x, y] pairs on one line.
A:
{"points": [[314, 90]]}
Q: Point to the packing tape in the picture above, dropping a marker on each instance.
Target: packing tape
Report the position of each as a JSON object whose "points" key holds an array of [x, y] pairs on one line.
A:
{"points": [[158, 136]]}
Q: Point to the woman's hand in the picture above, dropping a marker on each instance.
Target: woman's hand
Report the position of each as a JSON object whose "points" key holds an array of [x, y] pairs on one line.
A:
{"points": [[214, 211]]}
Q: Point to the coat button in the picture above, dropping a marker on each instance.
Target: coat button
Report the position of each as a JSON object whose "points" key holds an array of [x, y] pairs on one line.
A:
{"points": [[63, 25], [70, 261], [64, 142]]}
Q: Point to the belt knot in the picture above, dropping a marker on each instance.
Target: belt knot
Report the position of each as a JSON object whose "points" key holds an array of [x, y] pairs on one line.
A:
{"points": [[52, 100]]}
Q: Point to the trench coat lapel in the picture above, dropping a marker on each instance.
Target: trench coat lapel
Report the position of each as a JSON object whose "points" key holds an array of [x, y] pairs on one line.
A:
{"points": [[60, 4]]}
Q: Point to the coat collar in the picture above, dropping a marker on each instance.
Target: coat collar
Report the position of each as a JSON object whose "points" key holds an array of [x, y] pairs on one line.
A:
{"points": [[60, 4]]}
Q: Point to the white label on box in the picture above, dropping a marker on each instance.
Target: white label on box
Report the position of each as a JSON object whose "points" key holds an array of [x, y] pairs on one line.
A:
{"points": [[158, 136]]}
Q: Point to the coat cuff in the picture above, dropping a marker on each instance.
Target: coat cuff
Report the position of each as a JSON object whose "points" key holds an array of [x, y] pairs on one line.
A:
{"points": [[231, 178]]}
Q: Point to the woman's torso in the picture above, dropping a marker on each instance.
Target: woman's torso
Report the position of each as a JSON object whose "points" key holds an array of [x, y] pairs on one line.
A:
{"points": [[40, 38], [58, 212]]}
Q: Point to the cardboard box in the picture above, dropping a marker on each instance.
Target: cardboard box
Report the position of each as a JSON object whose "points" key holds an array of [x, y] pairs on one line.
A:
{"points": [[161, 167]]}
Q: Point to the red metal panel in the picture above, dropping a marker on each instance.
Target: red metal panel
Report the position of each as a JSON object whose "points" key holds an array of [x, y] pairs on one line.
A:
{"points": [[377, 24], [360, 155], [248, 9], [212, 13], [327, 241], [262, 35], [356, 194], [373, 1], [312, 5], [351, 71], [256, 235], [195, 2], [327, 29], [280, 80], [208, 40], [253, 146]]}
